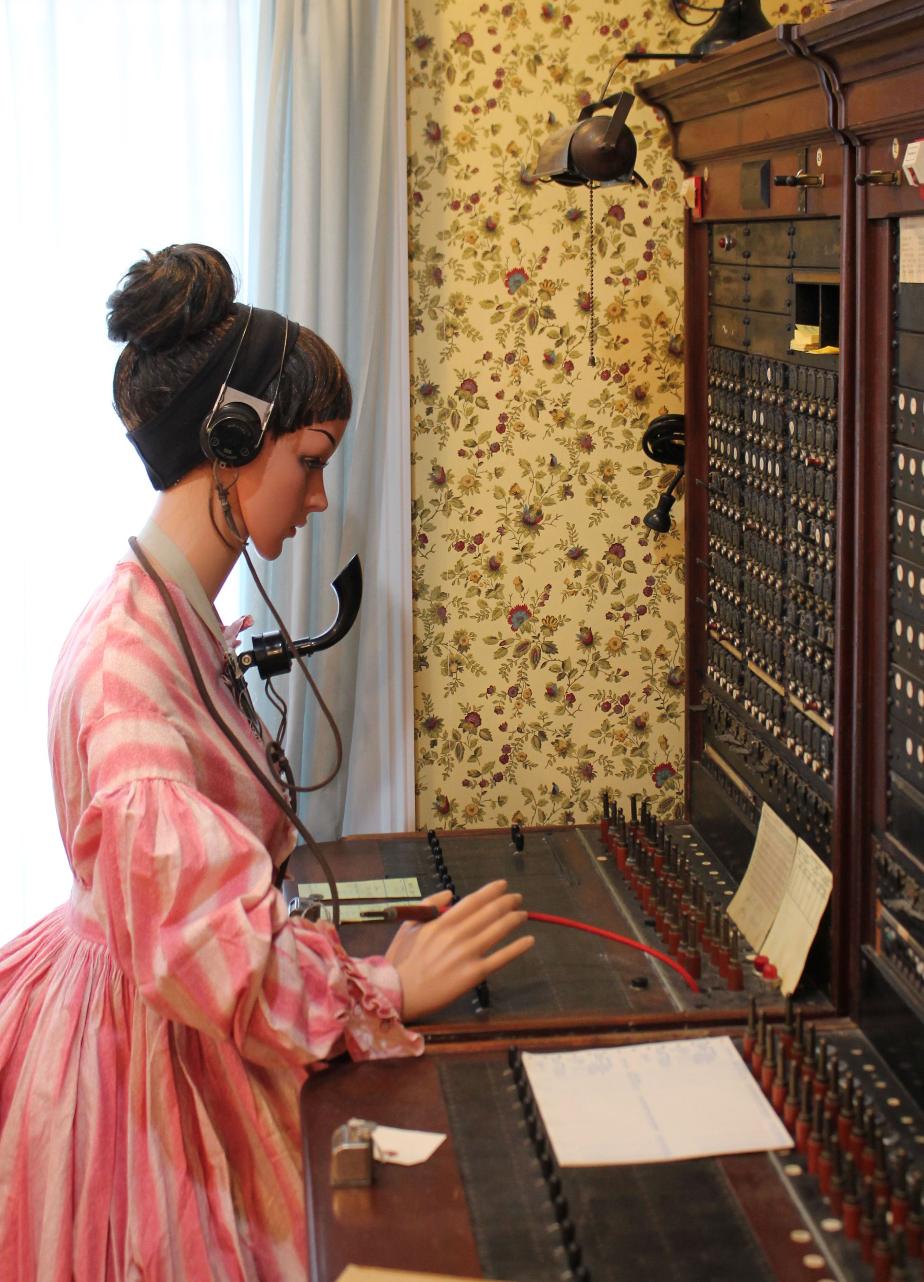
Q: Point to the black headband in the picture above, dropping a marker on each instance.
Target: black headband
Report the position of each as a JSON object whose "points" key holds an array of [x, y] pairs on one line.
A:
{"points": [[168, 443]]}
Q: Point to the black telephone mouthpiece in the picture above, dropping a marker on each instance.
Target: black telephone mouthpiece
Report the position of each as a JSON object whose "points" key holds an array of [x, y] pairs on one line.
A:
{"points": [[270, 654]]}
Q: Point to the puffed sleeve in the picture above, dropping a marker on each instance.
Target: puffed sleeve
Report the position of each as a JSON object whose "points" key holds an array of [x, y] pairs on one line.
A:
{"points": [[183, 892]]}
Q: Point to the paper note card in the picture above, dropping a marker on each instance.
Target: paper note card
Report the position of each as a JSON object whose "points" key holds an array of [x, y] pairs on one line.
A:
{"points": [[790, 938], [911, 250], [659, 1102], [760, 894], [396, 889], [399, 1146]]}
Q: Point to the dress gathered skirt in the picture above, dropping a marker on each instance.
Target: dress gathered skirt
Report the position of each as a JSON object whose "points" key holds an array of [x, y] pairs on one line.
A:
{"points": [[155, 1031]]}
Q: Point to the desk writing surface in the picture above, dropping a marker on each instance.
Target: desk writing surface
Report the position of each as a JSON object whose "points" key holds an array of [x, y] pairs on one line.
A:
{"points": [[482, 1209]]}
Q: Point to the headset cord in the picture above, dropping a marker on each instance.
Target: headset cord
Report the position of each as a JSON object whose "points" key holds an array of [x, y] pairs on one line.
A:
{"points": [[275, 698], [232, 738], [552, 919], [421, 912], [290, 645]]}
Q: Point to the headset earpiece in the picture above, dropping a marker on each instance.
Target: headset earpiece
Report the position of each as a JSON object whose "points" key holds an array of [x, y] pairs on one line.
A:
{"points": [[223, 423], [232, 435]]}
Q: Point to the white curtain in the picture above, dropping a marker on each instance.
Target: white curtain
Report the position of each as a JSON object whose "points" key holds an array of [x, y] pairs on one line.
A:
{"points": [[121, 128], [328, 246]]}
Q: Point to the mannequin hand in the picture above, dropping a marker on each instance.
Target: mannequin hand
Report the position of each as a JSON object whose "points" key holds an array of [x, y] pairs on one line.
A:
{"points": [[441, 959]]}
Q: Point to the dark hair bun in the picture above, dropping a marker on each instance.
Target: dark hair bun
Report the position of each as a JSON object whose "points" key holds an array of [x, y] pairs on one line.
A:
{"points": [[171, 297]]}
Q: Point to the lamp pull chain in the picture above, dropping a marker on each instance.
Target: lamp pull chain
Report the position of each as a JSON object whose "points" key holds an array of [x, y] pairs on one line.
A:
{"points": [[593, 359]]}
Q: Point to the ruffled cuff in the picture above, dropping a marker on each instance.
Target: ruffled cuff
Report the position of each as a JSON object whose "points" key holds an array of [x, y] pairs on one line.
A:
{"points": [[373, 1028]]}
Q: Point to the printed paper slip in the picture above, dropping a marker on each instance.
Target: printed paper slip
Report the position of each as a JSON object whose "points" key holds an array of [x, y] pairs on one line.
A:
{"points": [[790, 937], [659, 1102], [403, 889], [911, 250], [760, 894]]}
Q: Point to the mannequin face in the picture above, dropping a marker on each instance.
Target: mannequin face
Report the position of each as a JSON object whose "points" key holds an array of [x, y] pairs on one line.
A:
{"points": [[279, 490]]}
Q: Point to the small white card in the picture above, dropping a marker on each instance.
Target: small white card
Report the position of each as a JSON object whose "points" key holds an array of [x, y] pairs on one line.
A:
{"points": [[401, 1147]]}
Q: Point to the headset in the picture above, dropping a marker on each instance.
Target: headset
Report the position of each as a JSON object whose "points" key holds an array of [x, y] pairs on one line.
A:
{"points": [[228, 428], [234, 430]]}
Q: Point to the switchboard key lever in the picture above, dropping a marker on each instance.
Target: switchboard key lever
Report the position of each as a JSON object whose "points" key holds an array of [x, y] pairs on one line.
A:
{"points": [[871, 1137], [836, 1183], [881, 1182], [858, 1130], [788, 1026], [880, 1255], [813, 1146], [851, 1210], [845, 1111], [797, 1049], [825, 1157], [768, 1067], [750, 1033], [898, 1271], [804, 1119], [778, 1085], [820, 1085], [791, 1103], [757, 1056], [808, 1058], [898, 1202], [735, 980], [913, 1222]]}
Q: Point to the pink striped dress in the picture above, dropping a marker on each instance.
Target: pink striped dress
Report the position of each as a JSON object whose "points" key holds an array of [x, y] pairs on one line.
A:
{"points": [[155, 1031]]}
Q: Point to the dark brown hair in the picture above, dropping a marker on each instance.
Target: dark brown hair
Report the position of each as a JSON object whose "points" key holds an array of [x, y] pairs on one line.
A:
{"points": [[172, 309]]}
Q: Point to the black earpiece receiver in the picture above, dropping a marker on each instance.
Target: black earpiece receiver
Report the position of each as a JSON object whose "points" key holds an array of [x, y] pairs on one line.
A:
{"points": [[233, 432]]}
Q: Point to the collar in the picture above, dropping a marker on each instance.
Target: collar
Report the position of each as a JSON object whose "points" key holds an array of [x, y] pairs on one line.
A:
{"points": [[162, 549]]}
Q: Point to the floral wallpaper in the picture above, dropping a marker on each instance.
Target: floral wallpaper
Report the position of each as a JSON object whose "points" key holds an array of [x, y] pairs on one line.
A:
{"points": [[548, 627]]}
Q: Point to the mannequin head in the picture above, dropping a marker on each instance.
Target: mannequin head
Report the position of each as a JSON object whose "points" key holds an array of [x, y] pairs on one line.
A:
{"points": [[173, 309]]}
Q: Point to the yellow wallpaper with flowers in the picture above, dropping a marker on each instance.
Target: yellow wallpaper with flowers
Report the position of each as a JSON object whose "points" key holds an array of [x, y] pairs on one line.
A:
{"points": [[548, 624]]}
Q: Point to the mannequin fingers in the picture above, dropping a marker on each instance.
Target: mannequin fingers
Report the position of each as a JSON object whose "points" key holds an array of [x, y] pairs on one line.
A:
{"points": [[477, 900], [493, 932], [509, 953], [482, 915], [508, 908]]}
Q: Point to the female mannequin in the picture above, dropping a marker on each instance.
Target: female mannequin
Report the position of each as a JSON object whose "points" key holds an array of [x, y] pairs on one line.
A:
{"points": [[155, 1030]]}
